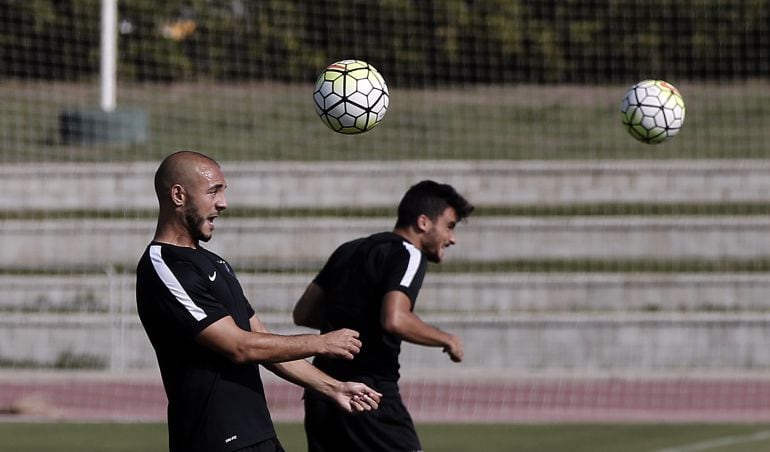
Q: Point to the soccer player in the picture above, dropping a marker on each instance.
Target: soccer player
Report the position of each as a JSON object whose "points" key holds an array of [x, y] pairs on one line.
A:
{"points": [[371, 284], [206, 336]]}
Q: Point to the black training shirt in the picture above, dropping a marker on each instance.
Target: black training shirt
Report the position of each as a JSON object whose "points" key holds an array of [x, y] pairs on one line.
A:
{"points": [[213, 404], [355, 279]]}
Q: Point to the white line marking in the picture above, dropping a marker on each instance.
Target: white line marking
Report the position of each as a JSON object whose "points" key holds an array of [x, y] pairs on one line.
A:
{"points": [[720, 442]]}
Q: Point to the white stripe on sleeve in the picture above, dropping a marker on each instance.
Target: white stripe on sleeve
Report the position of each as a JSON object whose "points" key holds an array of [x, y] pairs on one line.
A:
{"points": [[173, 285], [414, 264]]}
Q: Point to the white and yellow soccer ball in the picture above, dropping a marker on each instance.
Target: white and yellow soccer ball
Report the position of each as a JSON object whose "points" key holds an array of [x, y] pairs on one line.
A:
{"points": [[652, 111], [351, 97]]}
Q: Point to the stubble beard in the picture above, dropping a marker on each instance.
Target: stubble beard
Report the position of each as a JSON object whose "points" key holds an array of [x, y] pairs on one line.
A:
{"points": [[432, 249], [194, 223]]}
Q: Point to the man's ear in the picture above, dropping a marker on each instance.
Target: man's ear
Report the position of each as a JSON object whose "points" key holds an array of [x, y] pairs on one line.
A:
{"points": [[178, 195], [423, 223]]}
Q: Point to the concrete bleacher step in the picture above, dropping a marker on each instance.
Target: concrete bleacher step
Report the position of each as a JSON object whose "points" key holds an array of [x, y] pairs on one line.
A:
{"points": [[302, 242], [508, 322], [129, 186], [620, 342], [603, 321], [449, 293]]}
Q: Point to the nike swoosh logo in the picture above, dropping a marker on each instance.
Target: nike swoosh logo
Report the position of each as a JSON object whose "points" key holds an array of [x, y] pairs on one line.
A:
{"points": [[213, 276]]}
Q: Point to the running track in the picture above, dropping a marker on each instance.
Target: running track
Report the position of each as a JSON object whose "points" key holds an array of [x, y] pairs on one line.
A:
{"points": [[529, 400]]}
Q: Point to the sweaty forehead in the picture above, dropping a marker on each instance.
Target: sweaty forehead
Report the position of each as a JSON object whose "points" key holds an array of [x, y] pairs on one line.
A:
{"points": [[207, 173]]}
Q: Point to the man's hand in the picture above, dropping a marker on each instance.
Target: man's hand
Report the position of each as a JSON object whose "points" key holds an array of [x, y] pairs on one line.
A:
{"points": [[356, 397], [454, 348], [342, 343]]}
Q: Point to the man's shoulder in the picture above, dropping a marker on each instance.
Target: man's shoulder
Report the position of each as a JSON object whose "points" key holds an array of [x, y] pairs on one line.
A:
{"points": [[391, 243], [385, 240], [359, 244], [158, 253], [373, 245]]}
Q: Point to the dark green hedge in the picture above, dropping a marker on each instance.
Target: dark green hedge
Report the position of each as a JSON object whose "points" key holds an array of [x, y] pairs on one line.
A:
{"points": [[413, 42]]}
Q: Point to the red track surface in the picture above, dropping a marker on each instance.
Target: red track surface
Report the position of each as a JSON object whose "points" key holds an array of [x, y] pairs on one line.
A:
{"points": [[520, 400]]}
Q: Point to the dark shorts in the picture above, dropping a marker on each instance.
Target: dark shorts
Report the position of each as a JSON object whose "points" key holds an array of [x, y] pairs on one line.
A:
{"points": [[387, 429], [270, 445]]}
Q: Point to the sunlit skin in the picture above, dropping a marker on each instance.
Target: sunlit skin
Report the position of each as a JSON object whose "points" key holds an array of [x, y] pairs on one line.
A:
{"points": [[206, 201], [439, 235], [191, 198]]}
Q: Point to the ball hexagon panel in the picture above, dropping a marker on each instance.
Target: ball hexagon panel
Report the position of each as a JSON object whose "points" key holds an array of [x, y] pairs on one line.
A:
{"points": [[350, 96], [652, 111]]}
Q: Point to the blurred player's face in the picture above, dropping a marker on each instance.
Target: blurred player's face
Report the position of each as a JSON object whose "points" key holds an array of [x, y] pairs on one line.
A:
{"points": [[206, 200], [439, 235]]}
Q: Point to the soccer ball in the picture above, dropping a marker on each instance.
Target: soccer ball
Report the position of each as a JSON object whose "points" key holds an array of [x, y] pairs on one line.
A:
{"points": [[351, 96], [652, 111]]}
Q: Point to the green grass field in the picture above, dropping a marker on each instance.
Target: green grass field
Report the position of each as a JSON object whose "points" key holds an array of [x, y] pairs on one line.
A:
{"points": [[268, 121], [64, 437]]}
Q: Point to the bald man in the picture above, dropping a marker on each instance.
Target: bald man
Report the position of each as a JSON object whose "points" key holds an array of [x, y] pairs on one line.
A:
{"points": [[207, 338]]}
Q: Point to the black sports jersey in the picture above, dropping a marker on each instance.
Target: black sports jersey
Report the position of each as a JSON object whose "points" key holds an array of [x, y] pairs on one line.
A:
{"points": [[355, 279], [213, 404]]}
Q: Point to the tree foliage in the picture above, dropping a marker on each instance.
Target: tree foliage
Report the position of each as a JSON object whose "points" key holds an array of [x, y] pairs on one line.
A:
{"points": [[418, 43]]}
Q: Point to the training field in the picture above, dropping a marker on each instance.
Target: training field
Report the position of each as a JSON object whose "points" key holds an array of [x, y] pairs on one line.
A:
{"points": [[610, 295], [547, 309], [662, 311], [65, 437]]}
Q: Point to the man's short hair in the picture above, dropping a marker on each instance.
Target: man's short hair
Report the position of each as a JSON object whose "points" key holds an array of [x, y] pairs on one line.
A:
{"points": [[431, 199], [169, 169]]}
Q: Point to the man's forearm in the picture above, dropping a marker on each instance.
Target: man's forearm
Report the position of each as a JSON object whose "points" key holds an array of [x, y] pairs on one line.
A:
{"points": [[302, 373], [411, 328]]}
